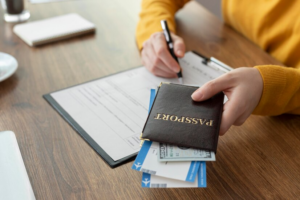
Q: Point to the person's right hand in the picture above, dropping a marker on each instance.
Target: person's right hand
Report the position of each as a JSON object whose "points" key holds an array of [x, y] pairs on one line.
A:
{"points": [[157, 58]]}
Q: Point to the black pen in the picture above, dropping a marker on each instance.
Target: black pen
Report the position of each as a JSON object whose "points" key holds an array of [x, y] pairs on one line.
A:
{"points": [[170, 45]]}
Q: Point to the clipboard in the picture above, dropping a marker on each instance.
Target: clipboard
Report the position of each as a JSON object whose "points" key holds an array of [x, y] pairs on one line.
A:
{"points": [[210, 62], [86, 136], [214, 63], [83, 133]]}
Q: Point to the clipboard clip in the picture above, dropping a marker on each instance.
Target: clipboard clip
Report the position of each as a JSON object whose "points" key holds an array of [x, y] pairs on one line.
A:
{"points": [[216, 64]]}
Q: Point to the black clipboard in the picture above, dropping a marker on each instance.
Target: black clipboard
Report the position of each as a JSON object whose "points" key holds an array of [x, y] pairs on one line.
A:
{"points": [[86, 136], [83, 133]]}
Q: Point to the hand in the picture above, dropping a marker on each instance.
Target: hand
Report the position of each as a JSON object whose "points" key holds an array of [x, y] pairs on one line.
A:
{"points": [[157, 58], [242, 86]]}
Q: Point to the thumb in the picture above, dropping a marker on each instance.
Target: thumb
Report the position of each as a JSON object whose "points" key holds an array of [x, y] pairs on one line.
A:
{"points": [[179, 46], [212, 87]]}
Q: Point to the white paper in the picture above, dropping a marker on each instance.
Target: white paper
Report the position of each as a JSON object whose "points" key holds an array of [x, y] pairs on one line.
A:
{"points": [[113, 110]]}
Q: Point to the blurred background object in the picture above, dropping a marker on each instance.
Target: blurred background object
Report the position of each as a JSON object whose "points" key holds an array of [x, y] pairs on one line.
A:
{"points": [[44, 1], [8, 66], [14, 11], [213, 6]]}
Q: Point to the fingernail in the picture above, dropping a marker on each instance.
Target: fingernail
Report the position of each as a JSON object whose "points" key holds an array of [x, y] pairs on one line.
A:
{"points": [[197, 96], [179, 52]]}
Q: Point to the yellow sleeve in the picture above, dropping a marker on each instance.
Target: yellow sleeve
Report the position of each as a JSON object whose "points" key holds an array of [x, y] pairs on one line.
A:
{"points": [[152, 12], [274, 26], [281, 93]]}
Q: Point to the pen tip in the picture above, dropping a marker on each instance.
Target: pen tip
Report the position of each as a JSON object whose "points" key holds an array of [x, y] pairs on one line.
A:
{"points": [[180, 80]]}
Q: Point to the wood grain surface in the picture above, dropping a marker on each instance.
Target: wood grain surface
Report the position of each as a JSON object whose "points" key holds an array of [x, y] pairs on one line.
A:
{"points": [[258, 160]]}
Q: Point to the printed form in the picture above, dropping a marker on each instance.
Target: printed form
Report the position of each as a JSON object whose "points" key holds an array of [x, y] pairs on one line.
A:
{"points": [[113, 109]]}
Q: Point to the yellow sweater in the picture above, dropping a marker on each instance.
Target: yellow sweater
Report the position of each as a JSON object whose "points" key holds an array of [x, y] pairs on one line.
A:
{"points": [[273, 25]]}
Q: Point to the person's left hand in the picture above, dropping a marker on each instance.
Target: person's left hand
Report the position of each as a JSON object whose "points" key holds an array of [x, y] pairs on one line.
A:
{"points": [[242, 86]]}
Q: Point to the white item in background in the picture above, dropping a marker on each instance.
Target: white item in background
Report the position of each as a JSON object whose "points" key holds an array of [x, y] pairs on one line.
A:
{"points": [[23, 16], [53, 29], [14, 181], [44, 1], [8, 66]]}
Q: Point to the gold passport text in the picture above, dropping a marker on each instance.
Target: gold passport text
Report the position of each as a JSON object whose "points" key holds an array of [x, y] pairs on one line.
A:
{"points": [[188, 120]]}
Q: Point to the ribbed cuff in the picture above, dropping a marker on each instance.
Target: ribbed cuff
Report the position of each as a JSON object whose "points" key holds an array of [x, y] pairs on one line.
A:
{"points": [[274, 79]]}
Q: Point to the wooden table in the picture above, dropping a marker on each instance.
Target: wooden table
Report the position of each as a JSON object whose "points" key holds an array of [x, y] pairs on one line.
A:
{"points": [[259, 160]]}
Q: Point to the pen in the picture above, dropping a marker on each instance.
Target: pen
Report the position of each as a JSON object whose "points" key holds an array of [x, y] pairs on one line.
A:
{"points": [[169, 41]]}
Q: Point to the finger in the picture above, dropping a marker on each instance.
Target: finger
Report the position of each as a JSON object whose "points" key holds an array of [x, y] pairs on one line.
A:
{"points": [[240, 120], [161, 66], [162, 52], [156, 70], [157, 62], [234, 111], [224, 82], [161, 73], [154, 65], [146, 46], [179, 46], [245, 113], [230, 115], [145, 59]]}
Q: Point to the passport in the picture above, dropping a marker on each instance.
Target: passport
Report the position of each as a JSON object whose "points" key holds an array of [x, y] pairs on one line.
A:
{"points": [[178, 120]]}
